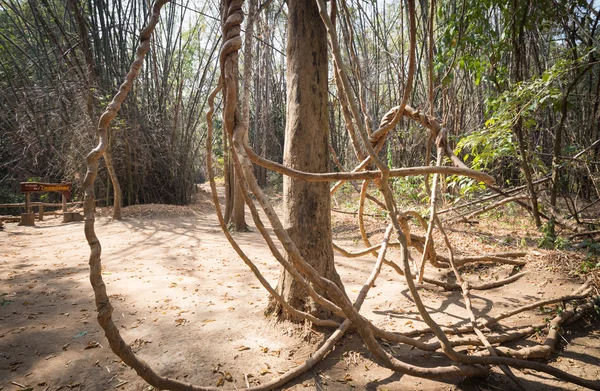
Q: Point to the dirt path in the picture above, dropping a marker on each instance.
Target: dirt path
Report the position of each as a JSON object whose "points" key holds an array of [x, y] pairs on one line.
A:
{"points": [[191, 308]]}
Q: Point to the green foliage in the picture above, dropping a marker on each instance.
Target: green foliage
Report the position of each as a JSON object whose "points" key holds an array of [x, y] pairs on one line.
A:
{"points": [[561, 243], [408, 189], [466, 186], [591, 261], [589, 265], [592, 257], [5, 302], [495, 142], [275, 181], [550, 240], [508, 241], [9, 197], [469, 28], [547, 240], [592, 247]]}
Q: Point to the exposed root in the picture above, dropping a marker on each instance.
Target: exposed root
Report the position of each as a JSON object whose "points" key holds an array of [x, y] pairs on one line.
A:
{"points": [[543, 351]]}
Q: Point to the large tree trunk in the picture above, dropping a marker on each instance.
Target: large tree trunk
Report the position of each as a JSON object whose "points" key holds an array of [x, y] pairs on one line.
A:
{"points": [[306, 206]]}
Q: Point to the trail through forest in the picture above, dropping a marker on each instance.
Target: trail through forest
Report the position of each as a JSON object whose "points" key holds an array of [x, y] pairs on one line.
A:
{"points": [[191, 308]]}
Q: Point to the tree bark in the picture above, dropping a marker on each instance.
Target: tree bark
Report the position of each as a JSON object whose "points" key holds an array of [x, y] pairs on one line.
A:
{"points": [[262, 110], [228, 178], [248, 59], [238, 215], [306, 206], [117, 195], [235, 203]]}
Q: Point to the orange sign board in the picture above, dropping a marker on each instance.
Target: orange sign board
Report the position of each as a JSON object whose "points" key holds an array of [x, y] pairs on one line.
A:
{"points": [[65, 188]]}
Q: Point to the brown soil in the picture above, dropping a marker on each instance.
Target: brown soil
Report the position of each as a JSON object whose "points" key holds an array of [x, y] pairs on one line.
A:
{"points": [[191, 308]]}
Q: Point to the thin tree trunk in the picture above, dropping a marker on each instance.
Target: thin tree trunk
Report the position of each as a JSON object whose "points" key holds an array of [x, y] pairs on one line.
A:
{"points": [[248, 59], [558, 137], [228, 179], [261, 97], [115, 183], [518, 42], [518, 129], [238, 216]]}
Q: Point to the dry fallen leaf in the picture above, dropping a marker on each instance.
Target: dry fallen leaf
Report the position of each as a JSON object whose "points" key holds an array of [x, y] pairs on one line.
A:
{"points": [[92, 345]]}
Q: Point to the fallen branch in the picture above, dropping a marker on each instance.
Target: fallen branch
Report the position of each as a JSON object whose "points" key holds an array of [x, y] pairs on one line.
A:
{"points": [[586, 233], [544, 350]]}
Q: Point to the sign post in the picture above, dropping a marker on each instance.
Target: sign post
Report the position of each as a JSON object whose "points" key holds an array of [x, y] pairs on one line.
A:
{"points": [[28, 218], [27, 203]]}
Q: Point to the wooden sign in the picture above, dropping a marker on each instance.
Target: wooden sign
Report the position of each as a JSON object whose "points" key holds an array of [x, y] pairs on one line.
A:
{"points": [[30, 187]]}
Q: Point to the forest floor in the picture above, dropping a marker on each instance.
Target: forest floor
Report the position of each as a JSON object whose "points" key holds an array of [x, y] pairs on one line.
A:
{"points": [[189, 307]]}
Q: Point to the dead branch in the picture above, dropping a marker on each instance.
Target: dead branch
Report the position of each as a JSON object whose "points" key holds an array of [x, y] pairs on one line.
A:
{"points": [[547, 348], [587, 233], [555, 213], [506, 193], [495, 205]]}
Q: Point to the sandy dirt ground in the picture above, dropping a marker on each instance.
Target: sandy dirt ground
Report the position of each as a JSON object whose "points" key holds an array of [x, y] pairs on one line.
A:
{"points": [[189, 307]]}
